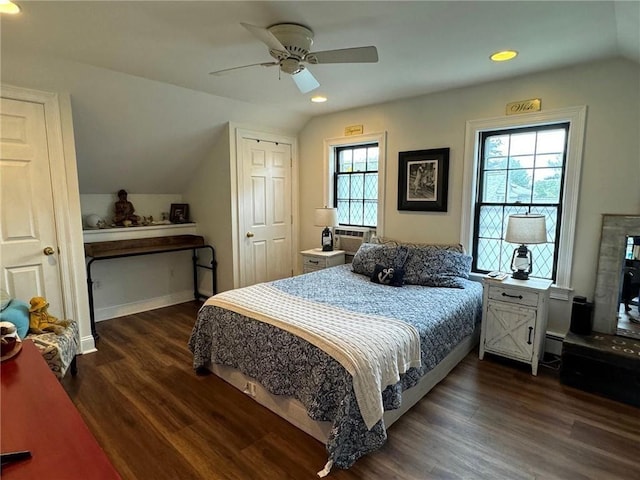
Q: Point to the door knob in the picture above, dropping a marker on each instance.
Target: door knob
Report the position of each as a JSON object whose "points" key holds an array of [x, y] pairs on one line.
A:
{"points": [[48, 251], [249, 234]]}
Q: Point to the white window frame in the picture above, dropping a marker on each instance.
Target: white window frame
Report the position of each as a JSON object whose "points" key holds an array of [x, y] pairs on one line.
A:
{"points": [[330, 146], [576, 117]]}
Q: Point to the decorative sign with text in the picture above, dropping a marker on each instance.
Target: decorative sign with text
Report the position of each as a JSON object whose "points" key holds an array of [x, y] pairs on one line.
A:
{"points": [[524, 106], [353, 130]]}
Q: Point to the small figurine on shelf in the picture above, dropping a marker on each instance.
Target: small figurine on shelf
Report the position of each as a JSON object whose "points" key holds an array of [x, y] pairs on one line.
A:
{"points": [[125, 216]]}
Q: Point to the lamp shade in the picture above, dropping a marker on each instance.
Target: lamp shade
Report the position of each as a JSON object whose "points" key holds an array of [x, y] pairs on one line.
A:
{"points": [[326, 217], [526, 229]]}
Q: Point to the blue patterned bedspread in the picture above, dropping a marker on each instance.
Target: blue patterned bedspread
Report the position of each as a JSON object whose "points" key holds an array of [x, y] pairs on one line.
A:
{"points": [[288, 365]]}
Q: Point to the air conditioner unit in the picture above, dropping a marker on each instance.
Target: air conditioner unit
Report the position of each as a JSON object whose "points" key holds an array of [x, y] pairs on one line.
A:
{"points": [[349, 239]]}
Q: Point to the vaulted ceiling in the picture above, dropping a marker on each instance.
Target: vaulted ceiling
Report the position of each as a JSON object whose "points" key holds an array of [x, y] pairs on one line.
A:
{"points": [[146, 107]]}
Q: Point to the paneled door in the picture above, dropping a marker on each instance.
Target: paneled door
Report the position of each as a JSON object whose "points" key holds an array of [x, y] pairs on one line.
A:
{"points": [[265, 211], [28, 240]]}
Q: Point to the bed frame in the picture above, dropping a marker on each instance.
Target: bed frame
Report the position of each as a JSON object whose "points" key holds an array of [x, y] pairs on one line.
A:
{"points": [[295, 413]]}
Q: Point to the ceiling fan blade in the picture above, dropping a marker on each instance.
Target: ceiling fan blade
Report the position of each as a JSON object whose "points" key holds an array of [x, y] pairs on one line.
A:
{"points": [[305, 81], [227, 70], [345, 55], [266, 37]]}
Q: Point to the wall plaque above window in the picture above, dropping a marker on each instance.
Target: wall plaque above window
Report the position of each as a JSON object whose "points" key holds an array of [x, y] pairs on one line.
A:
{"points": [[353, 130], [524, 106]]}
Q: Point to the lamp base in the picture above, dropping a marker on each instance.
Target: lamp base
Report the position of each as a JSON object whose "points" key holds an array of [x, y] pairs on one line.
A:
{"points": [[521, 263], [327, 240], [520, 275]]}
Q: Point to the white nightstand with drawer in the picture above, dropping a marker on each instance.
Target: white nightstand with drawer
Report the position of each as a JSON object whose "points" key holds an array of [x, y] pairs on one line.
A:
{"points": [[514, 319], [317, 259]]}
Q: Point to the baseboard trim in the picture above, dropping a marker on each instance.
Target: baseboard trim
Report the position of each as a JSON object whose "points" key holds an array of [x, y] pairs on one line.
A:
{"points": [[87, 345], [553, 343], [115, 311]]}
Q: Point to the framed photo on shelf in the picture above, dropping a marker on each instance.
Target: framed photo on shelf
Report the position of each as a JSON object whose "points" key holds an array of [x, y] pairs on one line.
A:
{"points": [[423, 180], [179, 213]]}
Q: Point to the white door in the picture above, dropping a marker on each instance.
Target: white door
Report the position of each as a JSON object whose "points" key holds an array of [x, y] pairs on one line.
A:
{"points": [[265, 219], [28, 246]]}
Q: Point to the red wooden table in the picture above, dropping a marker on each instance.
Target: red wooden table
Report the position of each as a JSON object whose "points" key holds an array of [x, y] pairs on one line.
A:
{"points": [[37, 415]]}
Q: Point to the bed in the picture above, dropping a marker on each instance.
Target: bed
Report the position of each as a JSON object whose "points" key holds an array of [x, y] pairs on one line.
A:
{"points": [[275, 341]]}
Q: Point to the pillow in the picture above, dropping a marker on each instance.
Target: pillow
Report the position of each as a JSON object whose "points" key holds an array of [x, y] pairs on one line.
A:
{"points": [[369, 255], [444, 281], [436, 267], [456, 247], [17, 313], [5, 299], [388, 275], [392, 274]]}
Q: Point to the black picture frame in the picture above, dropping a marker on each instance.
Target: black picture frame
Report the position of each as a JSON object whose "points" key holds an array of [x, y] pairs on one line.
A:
{"points": [[423, 180], [179, 213]]}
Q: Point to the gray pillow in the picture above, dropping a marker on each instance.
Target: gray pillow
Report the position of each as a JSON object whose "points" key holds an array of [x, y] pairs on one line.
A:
{"points": [[435, 267], [456, 247], [369, 254]]}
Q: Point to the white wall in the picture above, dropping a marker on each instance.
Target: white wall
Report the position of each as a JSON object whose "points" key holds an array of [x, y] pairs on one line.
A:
{"points": [[610, 181], [134, 133], [209, 197]]}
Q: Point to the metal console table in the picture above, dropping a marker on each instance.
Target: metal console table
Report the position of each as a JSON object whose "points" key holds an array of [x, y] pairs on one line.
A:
{"points": [[147, 246]]}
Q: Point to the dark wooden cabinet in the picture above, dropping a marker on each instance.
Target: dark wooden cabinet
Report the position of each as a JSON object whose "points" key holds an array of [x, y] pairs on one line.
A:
{"points": [[604, 364]]}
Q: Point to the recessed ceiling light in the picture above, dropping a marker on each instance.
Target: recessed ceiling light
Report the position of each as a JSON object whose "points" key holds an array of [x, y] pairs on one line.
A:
{"points": [[318, 99], [504, 55], [9, 7]]}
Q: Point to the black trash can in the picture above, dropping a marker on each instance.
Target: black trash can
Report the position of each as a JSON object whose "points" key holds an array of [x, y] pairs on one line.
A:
{"points": [[581, 316]]}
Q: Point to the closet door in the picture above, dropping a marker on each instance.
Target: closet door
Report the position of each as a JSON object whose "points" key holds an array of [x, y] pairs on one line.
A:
{"points": [[264, 198], [28, 241]]}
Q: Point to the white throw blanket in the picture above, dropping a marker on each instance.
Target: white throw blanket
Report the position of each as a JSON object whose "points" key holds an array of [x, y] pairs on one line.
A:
{"points": [[374, 350]]}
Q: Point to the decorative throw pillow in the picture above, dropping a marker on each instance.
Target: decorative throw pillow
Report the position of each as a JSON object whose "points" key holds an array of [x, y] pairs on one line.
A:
{"points": [[369, 255], [17, 313], [392, 274], [388, 275]]}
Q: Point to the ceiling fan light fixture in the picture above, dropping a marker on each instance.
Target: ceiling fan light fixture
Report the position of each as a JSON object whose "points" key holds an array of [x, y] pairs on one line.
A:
{"points": [[289, 45], [291, 65], [9, 7], [318, 99], [503, 55]]}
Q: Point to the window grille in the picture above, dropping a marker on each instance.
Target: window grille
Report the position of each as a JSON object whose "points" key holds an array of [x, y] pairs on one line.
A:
{"points": [[521, 170], [356, 184]]}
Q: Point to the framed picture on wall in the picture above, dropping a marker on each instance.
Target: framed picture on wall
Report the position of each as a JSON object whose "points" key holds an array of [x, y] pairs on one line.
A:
{"points": [[179, 213], [423, 180]]}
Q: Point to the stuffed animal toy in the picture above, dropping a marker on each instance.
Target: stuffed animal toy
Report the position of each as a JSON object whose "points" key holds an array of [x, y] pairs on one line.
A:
{"points": [[40, 321]]}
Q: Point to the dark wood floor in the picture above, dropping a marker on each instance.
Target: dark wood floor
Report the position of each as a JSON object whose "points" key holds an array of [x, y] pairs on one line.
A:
{"points": [[488, 419]]}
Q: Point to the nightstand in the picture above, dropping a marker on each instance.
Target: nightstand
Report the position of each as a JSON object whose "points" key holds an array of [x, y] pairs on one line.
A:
{"points": [[316, 259], [514, 319]]}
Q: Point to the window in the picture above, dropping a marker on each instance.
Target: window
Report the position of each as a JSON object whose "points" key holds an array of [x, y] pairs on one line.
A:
{"points": [[561, 216], [355, 185], [520, 171], [354, 181]]}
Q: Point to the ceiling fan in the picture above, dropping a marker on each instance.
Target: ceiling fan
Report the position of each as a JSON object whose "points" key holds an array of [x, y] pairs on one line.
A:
{"points": [[289, 44]]}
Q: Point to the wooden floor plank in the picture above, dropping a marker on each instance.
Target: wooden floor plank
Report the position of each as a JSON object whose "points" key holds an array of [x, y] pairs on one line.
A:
{"points": [[488, 419]]}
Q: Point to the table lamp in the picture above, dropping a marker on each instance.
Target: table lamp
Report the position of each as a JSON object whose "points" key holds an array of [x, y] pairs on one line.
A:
{"points": [[524, 229], [326, 217]]}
